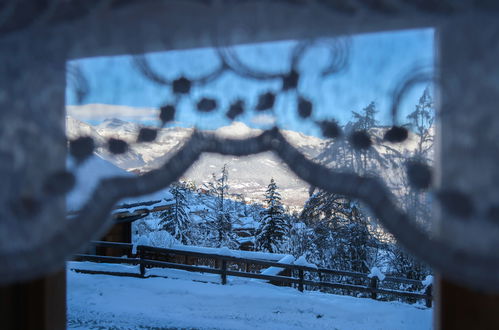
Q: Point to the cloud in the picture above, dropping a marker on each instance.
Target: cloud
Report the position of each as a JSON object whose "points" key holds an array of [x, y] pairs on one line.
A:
{"points": [[263, 119], [100, 112]]}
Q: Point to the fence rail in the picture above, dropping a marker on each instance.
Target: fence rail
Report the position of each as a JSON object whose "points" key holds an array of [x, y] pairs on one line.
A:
{"points": [[148, 257]]}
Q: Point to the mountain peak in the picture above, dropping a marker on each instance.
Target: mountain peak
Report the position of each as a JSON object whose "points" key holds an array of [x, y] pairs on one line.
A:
{"points": [[237, 129]]}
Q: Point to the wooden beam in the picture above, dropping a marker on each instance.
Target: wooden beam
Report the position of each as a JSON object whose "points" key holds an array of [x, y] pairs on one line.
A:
{"points": [[468, 154], [458, 308], [148, 26], [131, 27], [35, 305], [21, 15], [32, 149]]}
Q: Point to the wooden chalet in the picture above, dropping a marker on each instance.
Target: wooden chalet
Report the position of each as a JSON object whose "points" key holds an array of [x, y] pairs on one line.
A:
{"points": [[125, 214]]}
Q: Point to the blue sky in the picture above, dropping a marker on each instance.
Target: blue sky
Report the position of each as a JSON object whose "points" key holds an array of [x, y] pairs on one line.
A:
{"points": [[377, 64]]}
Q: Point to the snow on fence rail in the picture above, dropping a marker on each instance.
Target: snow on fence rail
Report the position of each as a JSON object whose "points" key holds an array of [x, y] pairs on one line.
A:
{"points": [[148, 257]]}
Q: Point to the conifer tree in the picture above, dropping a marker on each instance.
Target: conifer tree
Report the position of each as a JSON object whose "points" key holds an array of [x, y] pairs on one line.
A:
{"points": [[341, 236], [339, 153], [175, 220], [366, 119], [416, 202], [220, 219], [274, 225], [421, 122]]}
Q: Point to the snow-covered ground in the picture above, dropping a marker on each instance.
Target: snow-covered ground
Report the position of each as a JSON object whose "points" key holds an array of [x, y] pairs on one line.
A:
{"points": [[103, 302]]}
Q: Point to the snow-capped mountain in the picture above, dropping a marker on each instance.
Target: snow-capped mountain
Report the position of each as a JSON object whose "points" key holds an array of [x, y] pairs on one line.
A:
{"points": [[248, 176], [142, 157]]}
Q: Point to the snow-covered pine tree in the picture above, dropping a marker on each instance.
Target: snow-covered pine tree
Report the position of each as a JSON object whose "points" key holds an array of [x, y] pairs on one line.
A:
{"points": [[274, 225], [404, 264], [416, 203], [356, 232], [220, 218], [318, 214], [341, 237], [175, 220], [366, 160], [339, 153], [421, 122], [366, 119]]}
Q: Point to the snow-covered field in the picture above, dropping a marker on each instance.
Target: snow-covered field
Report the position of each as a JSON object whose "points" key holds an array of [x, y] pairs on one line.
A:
{"points": [[111, 302]]}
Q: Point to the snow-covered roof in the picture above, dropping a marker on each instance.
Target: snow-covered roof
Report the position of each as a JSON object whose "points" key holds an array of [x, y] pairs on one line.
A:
{"points": [[88, 176], [94, 169]]}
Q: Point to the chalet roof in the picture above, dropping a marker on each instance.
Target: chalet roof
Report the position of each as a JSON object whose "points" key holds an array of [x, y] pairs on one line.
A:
{"points": [[95, 169]]}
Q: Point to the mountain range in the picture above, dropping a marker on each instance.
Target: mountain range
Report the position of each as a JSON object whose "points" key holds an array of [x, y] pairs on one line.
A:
{"points": [[248, 176]]}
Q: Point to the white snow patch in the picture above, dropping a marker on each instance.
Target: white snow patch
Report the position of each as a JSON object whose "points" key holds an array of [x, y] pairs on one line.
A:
{"points": [[150, 207], [160, 239], [427, 281], [87, 265], [225, 251], [237, 130], [162, 195], [287, 260], [376, 272], [302, 261]]}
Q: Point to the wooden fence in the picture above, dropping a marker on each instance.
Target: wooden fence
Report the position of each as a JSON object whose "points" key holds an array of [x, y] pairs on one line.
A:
{"points": [[300, 276]]}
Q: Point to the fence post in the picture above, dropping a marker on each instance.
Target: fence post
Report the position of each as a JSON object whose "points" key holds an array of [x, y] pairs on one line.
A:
{"points": [[428, 292], [224, 272], [141, 263], [373, 285], [300, 278]]}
